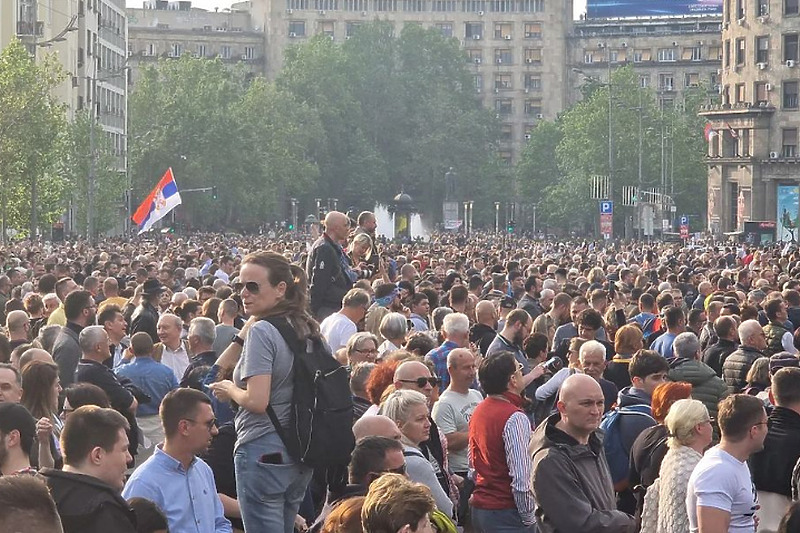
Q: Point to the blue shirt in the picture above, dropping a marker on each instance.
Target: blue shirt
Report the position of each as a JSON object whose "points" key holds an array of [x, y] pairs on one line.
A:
{"points": [[663, 344], [188, 498], [153, 378], [438, 357]]}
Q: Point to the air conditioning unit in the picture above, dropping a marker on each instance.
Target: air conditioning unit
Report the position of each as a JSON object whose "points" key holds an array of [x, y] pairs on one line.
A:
{"points": [[480, 13], [171, 54], [527, 136], [288, 12], [763, 19], [507, 37], [347, 38], [768, 87], [244, 57], [529, 60], [762, 66], [496, 90], [195, 55], [527, 90], [773, 155], [476, 37], [499, 60], [292, 35], [477, 60], [539, 115], [478, 90], [674, 43], [790, 63]]}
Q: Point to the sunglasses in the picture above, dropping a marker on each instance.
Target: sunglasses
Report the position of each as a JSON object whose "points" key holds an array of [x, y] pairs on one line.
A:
{"points": [[421, 382], [210, 424], [252, 287]]}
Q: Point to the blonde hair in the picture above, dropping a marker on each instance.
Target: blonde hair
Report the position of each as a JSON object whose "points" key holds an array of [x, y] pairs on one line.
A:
{"points": [[681, 420], [362, 239], [394, 501], [398, 404]]}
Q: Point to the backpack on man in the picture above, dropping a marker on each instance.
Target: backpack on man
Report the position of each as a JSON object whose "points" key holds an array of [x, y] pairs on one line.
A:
{"points": [[617, 453]]}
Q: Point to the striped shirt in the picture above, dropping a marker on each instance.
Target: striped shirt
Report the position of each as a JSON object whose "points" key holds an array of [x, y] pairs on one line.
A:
{"points": [[516, 436]]}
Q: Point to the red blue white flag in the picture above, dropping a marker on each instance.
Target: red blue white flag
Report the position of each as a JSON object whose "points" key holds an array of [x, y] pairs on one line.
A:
{"points": [[161, 200]]}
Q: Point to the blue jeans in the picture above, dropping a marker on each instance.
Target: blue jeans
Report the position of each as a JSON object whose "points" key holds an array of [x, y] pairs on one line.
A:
{"points": [[499, 521], [269, 494]]}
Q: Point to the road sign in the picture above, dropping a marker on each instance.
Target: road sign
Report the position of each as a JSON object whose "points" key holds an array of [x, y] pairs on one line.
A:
{"points": [[684, 220], [684, 231], [606, 207], [606, 225]]}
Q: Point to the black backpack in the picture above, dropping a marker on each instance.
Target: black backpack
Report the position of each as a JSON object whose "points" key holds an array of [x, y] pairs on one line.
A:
{"points": [[320, 430]]}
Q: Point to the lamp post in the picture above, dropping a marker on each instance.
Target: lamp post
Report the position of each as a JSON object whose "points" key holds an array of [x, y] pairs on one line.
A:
{"points": [[470, 216], [497, 217]]}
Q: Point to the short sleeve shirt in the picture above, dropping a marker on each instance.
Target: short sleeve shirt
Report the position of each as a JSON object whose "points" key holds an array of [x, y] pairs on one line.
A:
{"points": [[723, 482], [452, 413]]}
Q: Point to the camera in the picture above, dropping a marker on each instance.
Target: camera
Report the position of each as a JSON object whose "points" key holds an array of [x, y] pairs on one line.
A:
{"points": [[554, 364]]}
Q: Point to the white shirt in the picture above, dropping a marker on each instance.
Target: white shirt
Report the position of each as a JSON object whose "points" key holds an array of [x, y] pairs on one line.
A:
{"points": [[723, 482], [222, 275], [337, 330], [177, 361]]}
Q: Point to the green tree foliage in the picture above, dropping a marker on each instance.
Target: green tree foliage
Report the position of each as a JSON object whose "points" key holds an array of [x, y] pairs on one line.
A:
{"points": [[557, 164], [31, 124]]}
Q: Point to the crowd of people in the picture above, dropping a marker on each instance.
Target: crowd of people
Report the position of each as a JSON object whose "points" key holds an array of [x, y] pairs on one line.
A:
{"points": [[491, 385]]}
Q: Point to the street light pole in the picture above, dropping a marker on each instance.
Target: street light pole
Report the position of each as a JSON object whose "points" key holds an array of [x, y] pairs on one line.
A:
{"points": [[497, 217], [639, 195]]}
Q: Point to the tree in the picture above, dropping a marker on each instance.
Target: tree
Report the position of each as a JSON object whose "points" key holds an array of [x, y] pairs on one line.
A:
{"points": [[31, 122]]}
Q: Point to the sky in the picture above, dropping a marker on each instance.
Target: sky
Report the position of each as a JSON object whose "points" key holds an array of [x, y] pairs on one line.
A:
{"points": [[580, 5]]}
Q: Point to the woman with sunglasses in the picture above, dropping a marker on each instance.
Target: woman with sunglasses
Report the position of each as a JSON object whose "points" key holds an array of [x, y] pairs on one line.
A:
{"points": [[269, 483], [409, 410]]}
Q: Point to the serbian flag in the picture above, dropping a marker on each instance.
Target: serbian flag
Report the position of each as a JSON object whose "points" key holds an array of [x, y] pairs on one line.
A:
{"points": [[733, 132], [709, 131], [161, 200]]}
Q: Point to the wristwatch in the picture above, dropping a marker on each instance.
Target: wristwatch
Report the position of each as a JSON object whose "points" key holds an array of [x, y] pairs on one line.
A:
{"points": [[238, 340]]}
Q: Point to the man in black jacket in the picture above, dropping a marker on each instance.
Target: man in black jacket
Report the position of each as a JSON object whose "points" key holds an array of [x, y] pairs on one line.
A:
{"points": [[328, 269], [87, 491], [738, 363], [772, 467], [145, 316], [727, 342]]}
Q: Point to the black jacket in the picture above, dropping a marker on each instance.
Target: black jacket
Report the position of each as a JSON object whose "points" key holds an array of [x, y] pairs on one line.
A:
{"points": [[482, 335], [328, 282], [772, 467], [87, 505], [145, 318], [531, 305], [736, 366], [715, 355]]}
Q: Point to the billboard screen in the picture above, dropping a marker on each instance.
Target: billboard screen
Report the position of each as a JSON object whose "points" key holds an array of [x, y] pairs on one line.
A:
{"points": [[596, 9]]}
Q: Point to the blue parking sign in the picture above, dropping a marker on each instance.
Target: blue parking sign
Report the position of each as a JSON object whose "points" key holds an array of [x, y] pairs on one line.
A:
{"points": [[606, 207], [684, 220]]}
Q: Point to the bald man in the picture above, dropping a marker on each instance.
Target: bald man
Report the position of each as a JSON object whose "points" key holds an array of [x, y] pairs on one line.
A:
{"points": [[329, 275], [571, 480], [18, 327], [376, 426], [483, 331]]}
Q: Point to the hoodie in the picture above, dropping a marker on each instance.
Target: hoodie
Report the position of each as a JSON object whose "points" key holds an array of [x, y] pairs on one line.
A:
{"points": [[633, 396], [572, 484]]}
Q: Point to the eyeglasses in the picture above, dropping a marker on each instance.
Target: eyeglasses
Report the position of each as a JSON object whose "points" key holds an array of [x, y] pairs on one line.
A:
{"points": [[210, 424], [252, 287], [399, 470], [421, 382]]}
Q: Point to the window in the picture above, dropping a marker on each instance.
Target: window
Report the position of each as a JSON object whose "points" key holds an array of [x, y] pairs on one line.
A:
{"points": [[533, 56], [740, 52], [641, 55], [473, 6], [478, 82], [414, 6], [447, 6], [691, 79], [666, 103], [350, 28], [502, 30], [475, 56], [506, 157], [533, 107], [613, 56], [297, 28], [384, 5], [506, 131], [740, 9], [692, 53], [533, 82], [727, 53], [666, 82], [666, 54], [715, 52], [446, 28], [531, 6], [473, 30], [502, 6], [588, 56], [644, 81], [249, 52], [502, 106], [790, 50], [201, 50], [790, 96], [763, 8], [502, 82], [789, 142], [791, 7], [533, 30], [322, 5], [762, 49], [740, 93], [762, 95], [502, 56], [349, 5], [225, 52], [326, 28]]}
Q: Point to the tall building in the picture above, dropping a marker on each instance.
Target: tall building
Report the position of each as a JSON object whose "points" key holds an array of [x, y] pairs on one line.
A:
{"points": [[162, 29], [516, 49], [753, 137], [669, 55]]}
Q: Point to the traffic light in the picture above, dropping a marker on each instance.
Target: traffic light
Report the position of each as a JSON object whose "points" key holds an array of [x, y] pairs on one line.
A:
{"points": [[291, 226], [214, 192], [511, 225]]}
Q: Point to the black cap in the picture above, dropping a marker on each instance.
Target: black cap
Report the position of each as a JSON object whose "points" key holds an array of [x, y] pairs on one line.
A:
{"points": [[152, 286]]}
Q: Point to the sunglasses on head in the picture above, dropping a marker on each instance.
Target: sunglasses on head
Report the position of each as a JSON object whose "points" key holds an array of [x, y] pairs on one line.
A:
{"points": [[421, 382]]}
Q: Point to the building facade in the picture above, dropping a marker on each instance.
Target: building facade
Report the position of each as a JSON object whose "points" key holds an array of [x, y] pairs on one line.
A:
{"points": [[753, 158], [162, 29]]}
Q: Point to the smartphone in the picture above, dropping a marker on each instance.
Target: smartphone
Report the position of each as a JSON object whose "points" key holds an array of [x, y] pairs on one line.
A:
{"points": [[271, 459]]}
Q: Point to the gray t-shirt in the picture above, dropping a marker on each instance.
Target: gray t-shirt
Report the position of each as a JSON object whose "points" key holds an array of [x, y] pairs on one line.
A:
{"points": [[264, 353], [451, 414], [223, 338]]}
